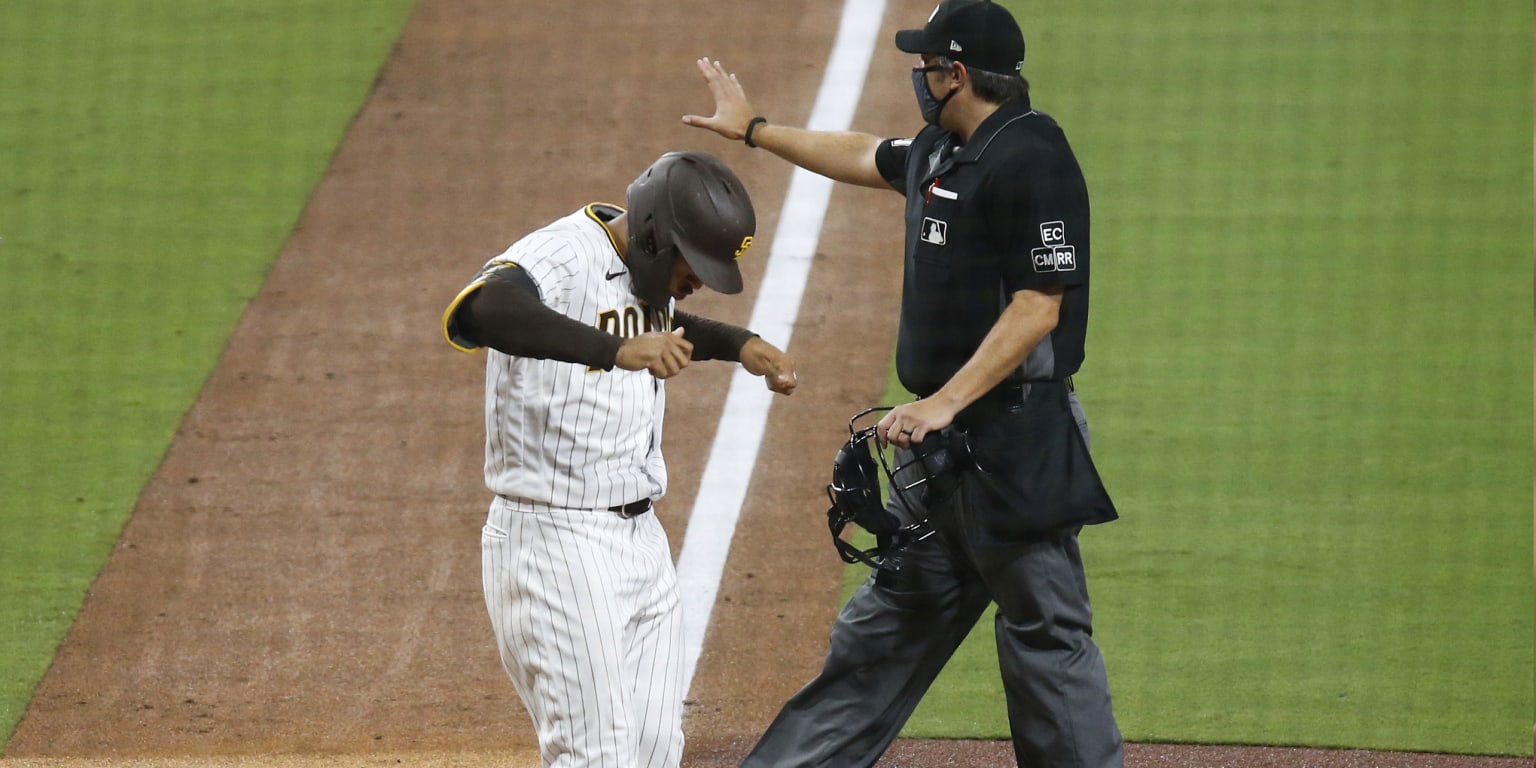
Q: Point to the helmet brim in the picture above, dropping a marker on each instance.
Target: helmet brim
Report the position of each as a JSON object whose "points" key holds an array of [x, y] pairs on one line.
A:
{"points": [[717, 274]]}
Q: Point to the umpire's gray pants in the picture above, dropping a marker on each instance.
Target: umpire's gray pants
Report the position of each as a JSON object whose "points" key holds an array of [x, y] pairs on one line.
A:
{"points": [[898, 630]]}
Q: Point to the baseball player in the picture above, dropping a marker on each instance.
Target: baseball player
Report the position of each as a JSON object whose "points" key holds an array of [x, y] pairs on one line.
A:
{"points": [[994, 315], [581, 330]]}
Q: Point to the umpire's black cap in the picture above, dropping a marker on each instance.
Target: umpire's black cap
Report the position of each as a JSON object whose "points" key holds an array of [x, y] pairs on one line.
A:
{"points": [[978, 33]]}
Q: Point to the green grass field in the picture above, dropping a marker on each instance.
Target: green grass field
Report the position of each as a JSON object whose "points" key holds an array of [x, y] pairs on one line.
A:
{"points": [[154, 156], [1309, 372]]}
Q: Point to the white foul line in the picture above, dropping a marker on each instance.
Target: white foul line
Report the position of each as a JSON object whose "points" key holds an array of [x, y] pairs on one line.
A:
{"points": [[734, 453]]}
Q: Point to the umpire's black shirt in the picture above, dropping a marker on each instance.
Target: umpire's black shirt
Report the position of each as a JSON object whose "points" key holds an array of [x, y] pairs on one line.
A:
{"points": [[1005, 212]]}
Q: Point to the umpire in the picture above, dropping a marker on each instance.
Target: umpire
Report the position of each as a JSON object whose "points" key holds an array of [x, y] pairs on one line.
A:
{"points": [[994, 315]]}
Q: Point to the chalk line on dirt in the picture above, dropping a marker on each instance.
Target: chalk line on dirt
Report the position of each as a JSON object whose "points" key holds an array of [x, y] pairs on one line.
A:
{"points": [[733, 454]]}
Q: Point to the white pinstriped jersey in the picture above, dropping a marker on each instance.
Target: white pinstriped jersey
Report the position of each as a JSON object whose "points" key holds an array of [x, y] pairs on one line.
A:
{"points": [[558, 433]]}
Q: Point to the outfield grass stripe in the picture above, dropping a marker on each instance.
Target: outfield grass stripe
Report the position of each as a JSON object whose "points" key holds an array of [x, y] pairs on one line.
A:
{"points": [[1308, 372], [154, 155]]}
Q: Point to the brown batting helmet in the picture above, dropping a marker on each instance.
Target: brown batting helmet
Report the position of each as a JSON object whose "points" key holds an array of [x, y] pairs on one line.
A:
{"points": [[688, 204]]}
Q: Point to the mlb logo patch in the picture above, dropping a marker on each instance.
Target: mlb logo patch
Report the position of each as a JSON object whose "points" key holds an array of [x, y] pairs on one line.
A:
{"points": [[935, 232]]}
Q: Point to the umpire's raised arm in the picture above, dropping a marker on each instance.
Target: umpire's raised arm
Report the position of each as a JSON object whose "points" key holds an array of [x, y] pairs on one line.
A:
{"points": [[843, 156]]}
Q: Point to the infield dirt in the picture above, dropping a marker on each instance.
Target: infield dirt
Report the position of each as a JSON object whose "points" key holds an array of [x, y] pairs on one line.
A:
{"points": [[299, 584]]}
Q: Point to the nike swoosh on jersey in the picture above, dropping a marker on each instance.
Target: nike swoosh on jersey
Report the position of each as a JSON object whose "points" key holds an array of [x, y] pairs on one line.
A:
{"points": [[612, 275]]}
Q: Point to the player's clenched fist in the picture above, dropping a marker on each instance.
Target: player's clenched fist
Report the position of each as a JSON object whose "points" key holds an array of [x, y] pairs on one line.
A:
{"points": [[775, 366], [663, 354]]}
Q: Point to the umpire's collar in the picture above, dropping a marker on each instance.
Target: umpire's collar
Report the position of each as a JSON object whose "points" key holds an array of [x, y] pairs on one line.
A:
{"points": [[1007, 113]]}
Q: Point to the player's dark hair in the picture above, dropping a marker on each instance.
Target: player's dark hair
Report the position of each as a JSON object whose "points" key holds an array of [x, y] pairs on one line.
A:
{"points": [[992, 87]]}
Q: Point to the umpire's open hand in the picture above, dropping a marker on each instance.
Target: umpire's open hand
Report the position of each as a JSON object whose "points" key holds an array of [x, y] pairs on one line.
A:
{"points": [[732, 112], [663, 354]]}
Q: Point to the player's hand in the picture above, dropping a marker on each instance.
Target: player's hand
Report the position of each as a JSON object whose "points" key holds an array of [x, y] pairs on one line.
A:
{"points": [[777, 368], [907, 425], [732, 112], [663, 354]]}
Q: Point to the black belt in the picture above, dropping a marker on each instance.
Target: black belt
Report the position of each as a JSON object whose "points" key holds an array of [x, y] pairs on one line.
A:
{"points": [[1003, 397], [632, 509], [1014, 393], [626, 511], [1008, 394]]}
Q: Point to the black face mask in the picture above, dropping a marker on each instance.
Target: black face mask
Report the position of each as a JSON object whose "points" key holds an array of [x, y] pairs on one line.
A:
{"points": [[930, 106]]}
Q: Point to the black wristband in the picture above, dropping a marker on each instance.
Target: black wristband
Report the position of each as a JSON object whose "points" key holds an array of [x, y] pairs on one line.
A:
{"points": [[751, 125]]}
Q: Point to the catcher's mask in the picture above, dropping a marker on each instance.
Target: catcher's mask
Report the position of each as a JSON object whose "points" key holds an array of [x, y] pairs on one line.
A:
{"points": [[687, 205], [857, 472]]}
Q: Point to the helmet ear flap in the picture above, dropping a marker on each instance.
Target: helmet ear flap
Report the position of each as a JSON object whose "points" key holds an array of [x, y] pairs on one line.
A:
{"points": [[651, 270]]}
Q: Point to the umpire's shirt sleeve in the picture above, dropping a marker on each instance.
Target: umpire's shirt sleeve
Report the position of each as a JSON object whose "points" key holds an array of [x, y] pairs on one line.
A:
{"points": [[891, 162], [1037, 215], [1039, 210]]}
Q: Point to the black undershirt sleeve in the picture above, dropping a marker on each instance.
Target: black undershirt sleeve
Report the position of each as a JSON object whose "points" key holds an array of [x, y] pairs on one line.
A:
{"points": [[712, 339], [506, 315]]}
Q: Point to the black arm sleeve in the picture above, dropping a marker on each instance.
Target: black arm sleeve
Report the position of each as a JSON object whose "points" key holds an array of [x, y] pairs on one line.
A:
{"points": [[712, 339], [505, 314], [891, 162]]}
